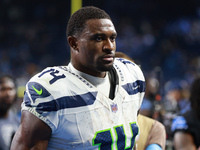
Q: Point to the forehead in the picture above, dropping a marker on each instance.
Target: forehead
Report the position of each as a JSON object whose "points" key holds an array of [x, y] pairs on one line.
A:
{"points": [[98, 26], [7, 84]]}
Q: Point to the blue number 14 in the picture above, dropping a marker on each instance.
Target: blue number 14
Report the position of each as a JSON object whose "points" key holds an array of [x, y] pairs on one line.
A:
{"points": [[105, 140]]}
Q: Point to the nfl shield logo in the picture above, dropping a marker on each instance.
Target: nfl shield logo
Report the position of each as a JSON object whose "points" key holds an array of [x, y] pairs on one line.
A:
{"points": [[114, 108]]}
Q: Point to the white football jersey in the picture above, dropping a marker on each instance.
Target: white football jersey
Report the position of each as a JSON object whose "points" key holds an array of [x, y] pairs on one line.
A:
{"points": [[80, 116]]}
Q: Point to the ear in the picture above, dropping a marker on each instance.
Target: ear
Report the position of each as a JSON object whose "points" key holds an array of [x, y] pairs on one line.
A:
{"points": [[73, 42]]}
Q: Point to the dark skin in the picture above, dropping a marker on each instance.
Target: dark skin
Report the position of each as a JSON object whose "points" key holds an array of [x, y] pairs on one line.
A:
{"points": [[184, 141], [92, 52], [32, 134], [7, 97]]}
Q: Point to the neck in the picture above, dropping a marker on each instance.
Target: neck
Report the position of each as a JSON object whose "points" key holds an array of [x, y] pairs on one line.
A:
{"points": [[89, 71]]}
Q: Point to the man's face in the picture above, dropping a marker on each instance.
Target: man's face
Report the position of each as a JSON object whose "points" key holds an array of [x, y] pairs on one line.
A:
{"points": [[96, 47], [7, 95]]}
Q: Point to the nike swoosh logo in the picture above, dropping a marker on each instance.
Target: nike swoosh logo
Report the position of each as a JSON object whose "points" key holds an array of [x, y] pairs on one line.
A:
{"points": [[37, 91]]}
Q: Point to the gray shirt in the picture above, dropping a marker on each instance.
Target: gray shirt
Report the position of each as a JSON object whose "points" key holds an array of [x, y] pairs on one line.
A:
{"points": [[8, 127]]}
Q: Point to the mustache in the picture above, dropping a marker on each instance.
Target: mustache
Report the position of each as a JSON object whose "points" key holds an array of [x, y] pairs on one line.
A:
{"points": [[109, 54]]}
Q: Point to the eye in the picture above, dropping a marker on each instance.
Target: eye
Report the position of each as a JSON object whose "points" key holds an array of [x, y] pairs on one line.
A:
{"points": [[112, 38], [99, 38]]}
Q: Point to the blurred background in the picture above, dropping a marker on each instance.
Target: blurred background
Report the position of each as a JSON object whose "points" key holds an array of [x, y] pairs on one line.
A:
{"points": [[162, 36]]}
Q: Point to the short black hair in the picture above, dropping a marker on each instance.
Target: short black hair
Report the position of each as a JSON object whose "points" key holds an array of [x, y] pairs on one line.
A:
{"points": [[5, 77], [77, 21]]}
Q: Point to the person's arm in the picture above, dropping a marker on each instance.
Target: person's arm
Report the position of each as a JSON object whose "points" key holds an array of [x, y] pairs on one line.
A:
{"points": [[153, 147], [33, 133], [183, 141], [157, 136]]}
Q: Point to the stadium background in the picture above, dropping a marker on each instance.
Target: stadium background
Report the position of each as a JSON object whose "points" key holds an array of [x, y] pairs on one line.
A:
{"points": [[160, 35]]}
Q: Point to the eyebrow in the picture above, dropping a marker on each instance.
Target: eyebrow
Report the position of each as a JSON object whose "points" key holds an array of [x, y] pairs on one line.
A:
{"points": [[103, 34]]}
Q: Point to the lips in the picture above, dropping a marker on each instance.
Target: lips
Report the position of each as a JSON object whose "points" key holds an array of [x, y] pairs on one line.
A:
{"points": [[109, 57]]}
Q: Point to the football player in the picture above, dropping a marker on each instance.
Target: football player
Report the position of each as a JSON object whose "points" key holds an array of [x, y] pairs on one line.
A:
{"points": [[90, 104]]}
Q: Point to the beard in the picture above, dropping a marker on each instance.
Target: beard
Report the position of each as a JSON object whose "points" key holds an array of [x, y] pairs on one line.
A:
{"points": [[104, 66], [4, 108]]}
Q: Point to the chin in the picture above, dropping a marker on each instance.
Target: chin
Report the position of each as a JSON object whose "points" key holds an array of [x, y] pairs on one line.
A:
{"points": [[105, 67], [109, 67]]}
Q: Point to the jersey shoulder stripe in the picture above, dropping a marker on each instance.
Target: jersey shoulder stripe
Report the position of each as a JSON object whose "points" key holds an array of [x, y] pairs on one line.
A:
{"points": [[56, 95], [71, 101], [135, 87], [131, 76]]}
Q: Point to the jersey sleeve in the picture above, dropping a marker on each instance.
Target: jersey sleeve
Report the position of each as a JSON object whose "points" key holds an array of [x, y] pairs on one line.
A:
{"points": [[40, 102], [135, 79], [141, 83]]}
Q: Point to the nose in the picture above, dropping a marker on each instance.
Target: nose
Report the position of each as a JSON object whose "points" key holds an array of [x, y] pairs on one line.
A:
{"points": [[109, 45], [9, 92], [9, 95]]}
